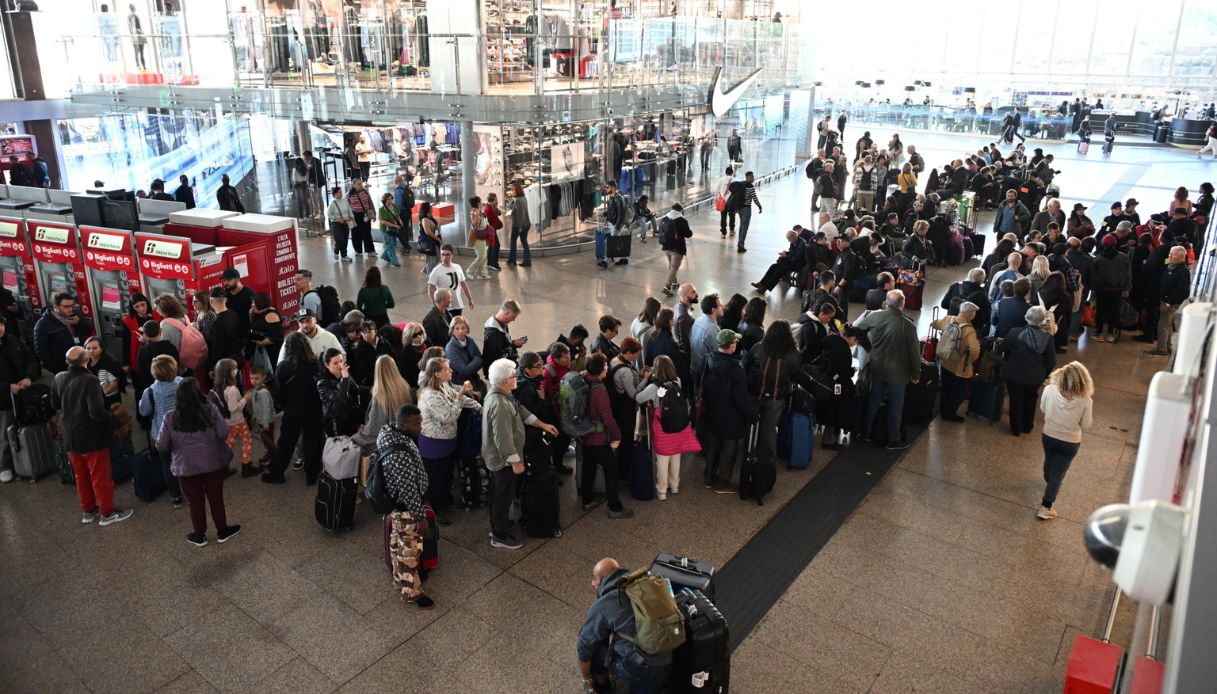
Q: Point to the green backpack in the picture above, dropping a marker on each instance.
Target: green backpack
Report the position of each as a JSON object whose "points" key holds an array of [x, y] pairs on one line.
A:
{"points": [[659, 627]]}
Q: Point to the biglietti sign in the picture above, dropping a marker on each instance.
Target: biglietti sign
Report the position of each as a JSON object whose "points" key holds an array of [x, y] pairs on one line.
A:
{"points": [[721, 102]]}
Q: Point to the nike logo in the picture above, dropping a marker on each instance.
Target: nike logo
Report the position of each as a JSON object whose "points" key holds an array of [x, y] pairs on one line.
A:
{"points": [[721, 103]]}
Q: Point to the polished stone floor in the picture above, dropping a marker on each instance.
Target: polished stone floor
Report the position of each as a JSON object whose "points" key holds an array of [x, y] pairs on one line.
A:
{"points": [[941, 581]]}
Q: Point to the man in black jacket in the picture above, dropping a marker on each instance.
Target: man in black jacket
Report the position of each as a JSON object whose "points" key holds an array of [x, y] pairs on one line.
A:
{"points": [[227, 196], [972, 289], [225, 341], [497, 342], [790, 260], [437, 320], [18, 368], [1151, 273], [826, 188], [184, 192], [1174, 287], [729, 411], [88, 429], [58, 330]]}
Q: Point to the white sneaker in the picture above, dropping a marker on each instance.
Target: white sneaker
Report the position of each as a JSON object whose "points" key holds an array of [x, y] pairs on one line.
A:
{"points": [[1045, 513], [86, 518], [6, 476]]}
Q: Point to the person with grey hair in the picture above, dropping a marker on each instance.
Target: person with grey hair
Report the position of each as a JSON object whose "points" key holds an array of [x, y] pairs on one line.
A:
{"points": [[438, 320], [895, 362], [503, 422], [1030, 356], [958, 350], [971, 289], [1174, 288], [1013, 271]]}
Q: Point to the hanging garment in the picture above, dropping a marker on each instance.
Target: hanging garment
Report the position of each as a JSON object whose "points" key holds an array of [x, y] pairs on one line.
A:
{"points": [[424, 47]]}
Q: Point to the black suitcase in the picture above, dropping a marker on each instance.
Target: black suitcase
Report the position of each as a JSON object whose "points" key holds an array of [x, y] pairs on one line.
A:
{"points": [[759, 471], [149, 476], [987, 400], [618, 246], [683, 572], [920, 397], [702, 665], [539, 504], [335, 504], [642, 466]]}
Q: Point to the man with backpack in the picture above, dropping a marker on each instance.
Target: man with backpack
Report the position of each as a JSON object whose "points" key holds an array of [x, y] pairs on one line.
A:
{"points": [[613, 646], [729, 410], [957, 352], [865, 184], [588, 413], [970, 290], [673, 230]]}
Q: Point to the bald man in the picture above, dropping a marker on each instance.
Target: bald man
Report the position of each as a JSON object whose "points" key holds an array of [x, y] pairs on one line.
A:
{"points": [[627, 668], [682, 328], [87, 431]]}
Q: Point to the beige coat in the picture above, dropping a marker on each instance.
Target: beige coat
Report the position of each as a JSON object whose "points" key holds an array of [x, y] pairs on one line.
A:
{"points": [[969, 346]]}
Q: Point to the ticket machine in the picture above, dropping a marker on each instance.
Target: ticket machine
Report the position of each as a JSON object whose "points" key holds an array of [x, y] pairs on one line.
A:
{"points": [[177, 266], [264, 251], [59, 263], [109, 259], [17, 268]]}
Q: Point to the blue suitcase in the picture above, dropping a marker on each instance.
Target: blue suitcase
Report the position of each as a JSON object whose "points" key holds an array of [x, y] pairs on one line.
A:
{"points": [[987, 400], [149, 476], [802, 440]]}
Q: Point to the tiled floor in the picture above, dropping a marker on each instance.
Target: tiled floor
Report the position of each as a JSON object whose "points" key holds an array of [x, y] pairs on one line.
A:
{"points": [[942, 581]]}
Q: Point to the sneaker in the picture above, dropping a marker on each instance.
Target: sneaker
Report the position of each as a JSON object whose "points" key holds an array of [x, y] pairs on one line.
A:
{"points": [[741, 249], [508, 542], [622, 261], [666, 291], [708, 484], [298, 464], [622, 514], [86, 518], [726, 490], [116, 516], [196, 539], [250, 470], [177, 501], [6, 476], [1045, 513], [273, 478], [346, 259], [673, 491], [897, 445], [422, 602], [496, 268], [226, 534], [661, 497]]}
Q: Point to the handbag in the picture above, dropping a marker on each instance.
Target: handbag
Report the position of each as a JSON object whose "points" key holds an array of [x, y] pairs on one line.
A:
{"points": [[720, 203], [340, 457]]}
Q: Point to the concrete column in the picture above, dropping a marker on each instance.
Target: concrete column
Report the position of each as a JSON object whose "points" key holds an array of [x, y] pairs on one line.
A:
{"points": [[27, 75]]}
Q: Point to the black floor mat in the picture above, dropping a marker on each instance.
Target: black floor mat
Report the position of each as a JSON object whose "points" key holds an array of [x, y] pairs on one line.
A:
{"points": [[757, 576]]}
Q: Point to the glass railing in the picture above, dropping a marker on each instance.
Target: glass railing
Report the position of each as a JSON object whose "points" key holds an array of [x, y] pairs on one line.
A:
{"points": [[1036, 123], [667, 53]]}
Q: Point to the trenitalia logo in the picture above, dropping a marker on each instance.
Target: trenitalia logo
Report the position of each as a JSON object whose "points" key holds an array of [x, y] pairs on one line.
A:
{"points": [[721, 103]]}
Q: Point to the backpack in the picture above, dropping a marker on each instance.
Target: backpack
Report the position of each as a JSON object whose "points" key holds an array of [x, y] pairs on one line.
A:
{"points": [[331, 307], [33, 405], [665, 231], [217, 399], [673, 409], [949, 344], [659, 626], [573, 406], [628, 213], [866, 181], [407, 202], [193, 350]]}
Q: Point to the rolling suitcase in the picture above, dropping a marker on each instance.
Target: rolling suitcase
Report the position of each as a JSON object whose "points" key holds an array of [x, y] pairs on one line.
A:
{"points": [[702, 665], [978, 244], [149, 476], [920, 397], [122, 461], [987, 400], [802, 441], [539, 503], [430, 556], [618, 246], [33, 451], [642, 468], [1083, 147], [912, 296], [335, 503], [758, 473], [783, 442], [683, 572]]}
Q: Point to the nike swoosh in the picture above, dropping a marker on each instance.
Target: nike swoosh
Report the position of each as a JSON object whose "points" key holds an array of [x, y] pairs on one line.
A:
{"points": [[721, 103]]}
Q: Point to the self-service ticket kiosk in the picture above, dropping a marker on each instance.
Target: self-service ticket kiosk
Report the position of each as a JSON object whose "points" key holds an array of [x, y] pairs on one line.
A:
{"points": [[109, 259], [17, 268], [265, 252], [201, 225], [177, 266], [59, 263]]}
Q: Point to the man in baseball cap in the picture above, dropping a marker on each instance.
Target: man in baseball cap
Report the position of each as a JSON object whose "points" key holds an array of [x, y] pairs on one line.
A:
{"points": [[730, 409], [1130, 212]]}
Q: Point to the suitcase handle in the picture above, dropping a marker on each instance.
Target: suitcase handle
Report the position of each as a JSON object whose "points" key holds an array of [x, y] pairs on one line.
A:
{"points": [[1111, 617]]}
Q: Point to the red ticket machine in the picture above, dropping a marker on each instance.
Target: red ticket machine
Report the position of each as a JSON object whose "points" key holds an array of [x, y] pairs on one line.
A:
{"points": [[174, 265], [17, 268], [200, 224], [109, 258], [264, 251], [59, 263]]}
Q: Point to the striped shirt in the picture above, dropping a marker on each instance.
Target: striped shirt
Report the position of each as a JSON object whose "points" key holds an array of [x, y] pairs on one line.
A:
{"points": [[749, 194], [156, 402]]}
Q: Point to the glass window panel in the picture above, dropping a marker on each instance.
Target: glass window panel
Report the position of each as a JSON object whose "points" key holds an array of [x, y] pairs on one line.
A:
{"points": [[1113, 34], [1196, 52], [1151, 51], [1074, 24], [995, 52], [966, 29], [1035, 24]]}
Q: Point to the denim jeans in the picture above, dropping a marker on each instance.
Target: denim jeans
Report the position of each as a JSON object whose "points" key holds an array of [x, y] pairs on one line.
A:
{"points": [[895, 407], [602, 235], [389, 253], [522, 236], [1058, 455], [745, 218]]}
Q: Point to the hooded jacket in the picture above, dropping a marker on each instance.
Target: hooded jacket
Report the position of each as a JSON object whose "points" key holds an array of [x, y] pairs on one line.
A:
{"points": [[1112, 271], [679, 232], [1030, 355], [496, 343], [405, 476], [195, 452], [339, 404], [611, 614], [729, 409]]}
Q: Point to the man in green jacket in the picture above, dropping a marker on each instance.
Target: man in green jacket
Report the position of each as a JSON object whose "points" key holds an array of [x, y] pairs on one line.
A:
{"points": [[503, 422], [894, 363]]}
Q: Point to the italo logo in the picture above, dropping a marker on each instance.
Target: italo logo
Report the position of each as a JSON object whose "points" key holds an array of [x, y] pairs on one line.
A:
{"points": [[721, 102]]}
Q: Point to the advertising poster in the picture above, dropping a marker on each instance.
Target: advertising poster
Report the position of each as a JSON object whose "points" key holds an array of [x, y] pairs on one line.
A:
{"points": [[488, 166], [566, 162]]}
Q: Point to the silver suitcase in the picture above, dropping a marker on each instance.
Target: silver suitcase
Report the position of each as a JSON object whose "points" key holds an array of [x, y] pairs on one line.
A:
{"points": [[33, 450]]}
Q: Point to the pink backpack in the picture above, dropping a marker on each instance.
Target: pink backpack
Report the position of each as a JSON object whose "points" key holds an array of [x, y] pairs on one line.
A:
{"points": [[193, 351]]}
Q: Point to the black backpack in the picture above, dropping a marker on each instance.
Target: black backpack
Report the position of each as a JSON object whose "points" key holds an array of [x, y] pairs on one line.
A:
{"points": [[867, 179], [331, 307], [665, 231], [673, 409], [407, 203], [33, 405], [375, 489]]}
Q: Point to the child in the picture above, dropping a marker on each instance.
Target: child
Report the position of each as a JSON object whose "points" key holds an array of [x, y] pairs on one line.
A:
{"points": [[262, 421], [227, 398]]}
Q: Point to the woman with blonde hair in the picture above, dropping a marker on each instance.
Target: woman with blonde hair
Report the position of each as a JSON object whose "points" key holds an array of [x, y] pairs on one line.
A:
{"points": [[1067, 404], [230, 403], [1040, 270], [389, 392], [441, 403]]}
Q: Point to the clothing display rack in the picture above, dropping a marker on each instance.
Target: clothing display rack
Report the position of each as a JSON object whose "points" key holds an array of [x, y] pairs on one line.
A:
{"points": [[509, 44]]}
